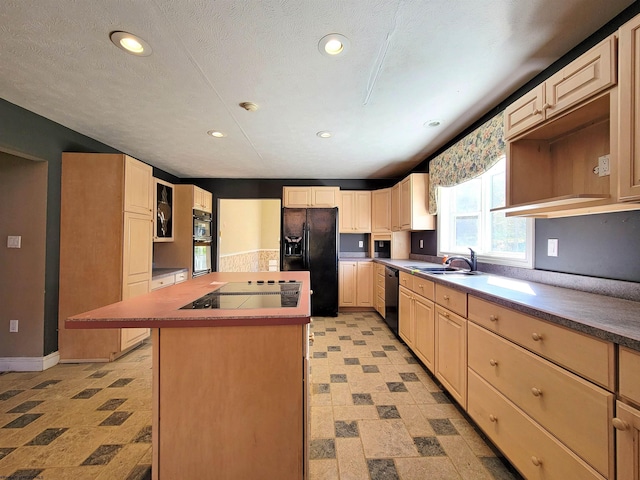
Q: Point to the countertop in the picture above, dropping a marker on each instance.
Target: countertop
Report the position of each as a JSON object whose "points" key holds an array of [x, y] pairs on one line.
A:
{"points": [[612, 319], [164, 272], [161, 308]]}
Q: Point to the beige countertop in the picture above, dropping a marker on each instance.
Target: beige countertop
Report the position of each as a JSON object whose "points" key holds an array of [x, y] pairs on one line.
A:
{"points": [[161, 308], [609, 318]]}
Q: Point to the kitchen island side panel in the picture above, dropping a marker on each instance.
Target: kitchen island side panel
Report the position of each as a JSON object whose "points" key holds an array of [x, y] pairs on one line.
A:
{"points": [[230, 402]]}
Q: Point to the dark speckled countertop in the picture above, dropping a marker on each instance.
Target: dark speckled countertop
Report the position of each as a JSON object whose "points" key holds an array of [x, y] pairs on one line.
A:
{"points": [[613, 319]]}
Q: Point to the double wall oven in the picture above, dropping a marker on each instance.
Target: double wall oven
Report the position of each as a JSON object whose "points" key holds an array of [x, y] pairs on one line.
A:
{"points": [[202, 237]]}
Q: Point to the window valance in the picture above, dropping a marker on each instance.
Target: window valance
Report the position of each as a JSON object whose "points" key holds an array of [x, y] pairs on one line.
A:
{"points": [[467, 158]]}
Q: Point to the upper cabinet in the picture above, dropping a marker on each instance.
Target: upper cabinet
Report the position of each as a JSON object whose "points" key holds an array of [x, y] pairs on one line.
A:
{"points": [[381, 210], [629, 87], [305, 197], [395, 207], [562, 141], [138, 182], [414, 203], [202, 200], [355, 211], [591, 73]]}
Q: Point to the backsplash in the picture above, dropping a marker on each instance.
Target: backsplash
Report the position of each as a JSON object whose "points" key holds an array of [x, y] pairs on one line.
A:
{"points": [[254, 261]]}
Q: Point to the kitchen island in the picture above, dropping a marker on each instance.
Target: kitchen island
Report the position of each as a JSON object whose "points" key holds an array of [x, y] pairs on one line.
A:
{"points": [[230, 393]]}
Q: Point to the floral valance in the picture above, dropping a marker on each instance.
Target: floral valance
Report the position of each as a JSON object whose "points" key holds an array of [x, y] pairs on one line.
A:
{"points": [[468, 158]]}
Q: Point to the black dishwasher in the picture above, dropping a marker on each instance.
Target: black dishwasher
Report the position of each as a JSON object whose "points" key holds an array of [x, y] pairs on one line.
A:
{"points": [[391, 282]]}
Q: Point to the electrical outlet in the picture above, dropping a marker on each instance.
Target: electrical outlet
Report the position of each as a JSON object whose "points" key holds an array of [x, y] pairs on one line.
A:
{"points": [[421, 243], [360, 244], [14, 241], [603, 166], [13, 326], [552, 247]]}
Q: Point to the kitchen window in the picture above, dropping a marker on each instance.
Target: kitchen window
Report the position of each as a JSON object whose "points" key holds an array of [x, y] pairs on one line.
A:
{"points": [[465, 221]]}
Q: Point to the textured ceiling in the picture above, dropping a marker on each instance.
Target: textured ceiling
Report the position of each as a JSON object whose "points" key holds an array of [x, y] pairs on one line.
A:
{"points": [[409, 61]]}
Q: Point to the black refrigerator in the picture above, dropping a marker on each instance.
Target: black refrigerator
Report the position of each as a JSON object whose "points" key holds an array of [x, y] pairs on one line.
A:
{"points": [[310, 242]]}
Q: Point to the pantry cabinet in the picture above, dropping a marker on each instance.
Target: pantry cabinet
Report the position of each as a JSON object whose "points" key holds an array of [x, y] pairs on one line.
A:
{"points": [[355, 284], [106, 247], [629, 86], [355, 211], [305, 197]]}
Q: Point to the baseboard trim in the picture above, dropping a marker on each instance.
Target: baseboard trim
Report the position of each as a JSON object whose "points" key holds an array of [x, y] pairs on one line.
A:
{"points": [[29, 364]]}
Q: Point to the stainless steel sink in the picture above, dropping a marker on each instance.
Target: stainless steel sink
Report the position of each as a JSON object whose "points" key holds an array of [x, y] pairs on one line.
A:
{"points": [[433, 269], [456, 273]]}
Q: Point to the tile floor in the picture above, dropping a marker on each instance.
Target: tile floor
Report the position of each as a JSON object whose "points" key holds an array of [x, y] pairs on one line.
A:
{"points": [[375, 414], [78, 421]]}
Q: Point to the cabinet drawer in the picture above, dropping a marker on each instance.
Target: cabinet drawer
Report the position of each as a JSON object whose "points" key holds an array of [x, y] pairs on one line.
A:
{"points": [[163, 282], [181, 277], [521, 439], [380, 269], [454, 300], [588, 356], [630, 374], [380, 291], [380, 281], [406, 280], [425, 288], [574, 410]]}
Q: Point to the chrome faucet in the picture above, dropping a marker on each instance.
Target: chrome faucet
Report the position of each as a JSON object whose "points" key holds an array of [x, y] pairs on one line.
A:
{"points": [[471, 261]]}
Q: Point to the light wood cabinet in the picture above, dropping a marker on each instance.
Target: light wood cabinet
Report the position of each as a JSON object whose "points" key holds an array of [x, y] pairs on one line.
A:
{"points": [[589, 74], [629, 374], [549, 395], [536, 453], [202, 200], [589, 357], [416, 317], [629, 87], [395, 207], [627, 425], [106, 245], [560, 134], [355, 211], [355, 284], [364, 285], [381, 210], [451, 353], [379, 273], [414, 203], [305, 197]]}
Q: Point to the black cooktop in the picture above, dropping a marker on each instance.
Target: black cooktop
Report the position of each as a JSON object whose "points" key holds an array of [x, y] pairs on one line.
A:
{"points": [[252, 294]]}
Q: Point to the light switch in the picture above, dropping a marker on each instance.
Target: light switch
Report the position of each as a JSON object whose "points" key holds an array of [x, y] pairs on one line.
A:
{"points": [[421, 243], [361, 244], [14, 241], [552, 247]]}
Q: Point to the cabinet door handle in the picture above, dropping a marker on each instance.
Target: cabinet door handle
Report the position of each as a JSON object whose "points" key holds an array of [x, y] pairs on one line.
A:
{"points": [[445, 314], [537, 111], [619, 424], [493, 418], [536, 392], [536, 461], [546, 106], [493, 318], [445, 297], [493, 363], [536, 337]]}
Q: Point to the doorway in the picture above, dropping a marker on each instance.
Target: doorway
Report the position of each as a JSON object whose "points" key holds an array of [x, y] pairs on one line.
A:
{"points": [[249, 235]]}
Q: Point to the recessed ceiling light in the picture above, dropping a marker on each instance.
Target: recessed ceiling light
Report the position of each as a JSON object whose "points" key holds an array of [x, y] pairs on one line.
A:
{"points": [[324, 134], [333, 44], [249, 106], [131, 43], [216, 134], [433, 123]]}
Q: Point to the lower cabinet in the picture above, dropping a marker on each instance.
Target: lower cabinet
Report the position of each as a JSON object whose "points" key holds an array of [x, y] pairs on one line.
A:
{"points": [[451, 353], [627, 425], [355, 284], [416, 319], [379, 302]]}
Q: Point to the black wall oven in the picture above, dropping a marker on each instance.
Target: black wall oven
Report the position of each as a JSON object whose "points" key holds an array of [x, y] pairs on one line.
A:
{"points": [[202, 239]]}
